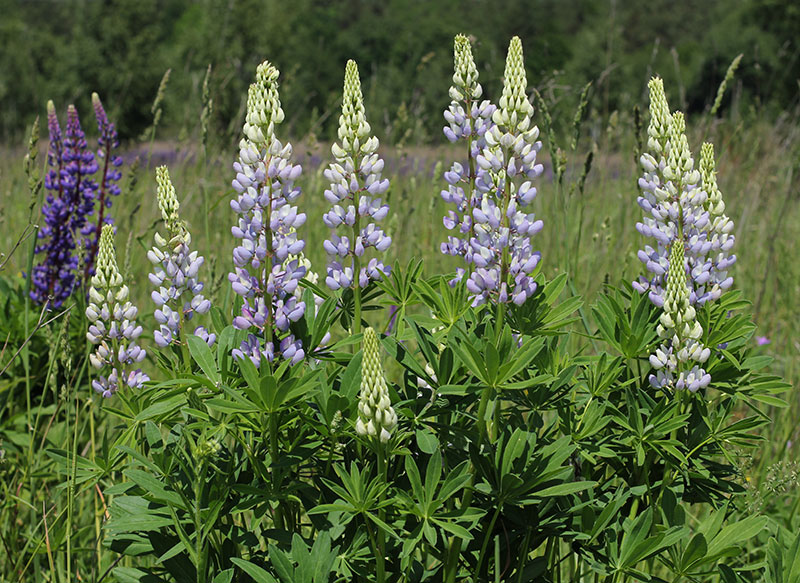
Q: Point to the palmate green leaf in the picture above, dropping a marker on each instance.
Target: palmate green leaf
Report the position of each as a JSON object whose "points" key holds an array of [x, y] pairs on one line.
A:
{"points": [[136, 514], [154, 487], [202, 355], [134, 575], [258, 574], [426, 441]]}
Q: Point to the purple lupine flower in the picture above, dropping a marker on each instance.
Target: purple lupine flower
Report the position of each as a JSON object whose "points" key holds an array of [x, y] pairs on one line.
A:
{"points": [[69, 201], [107, 142], [763, 340], [681, 204], [112, 324], [469, 120], [178, 297], [501, 250], [267, 226], [355, 179]]}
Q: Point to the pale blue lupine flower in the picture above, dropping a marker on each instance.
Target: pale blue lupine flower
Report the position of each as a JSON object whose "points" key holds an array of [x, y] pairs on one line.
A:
{"points": [[267, 230], [175, 273]]}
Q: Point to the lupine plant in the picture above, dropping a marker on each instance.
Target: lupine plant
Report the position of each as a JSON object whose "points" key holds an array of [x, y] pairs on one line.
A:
{"points": [[179, 295], [267, 226], [355, 179], [469, 441], [70, 238], [112, 324]]}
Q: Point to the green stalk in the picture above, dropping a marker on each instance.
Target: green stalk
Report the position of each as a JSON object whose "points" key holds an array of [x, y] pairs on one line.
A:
{"points": [[486, 538], [200, 551], [381, 568], [273, 453]]}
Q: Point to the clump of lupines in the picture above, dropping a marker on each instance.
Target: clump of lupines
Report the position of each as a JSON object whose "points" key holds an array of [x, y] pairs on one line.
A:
{"points": [[178, 297], [355, 178], [467, 120], [267, 225], [501, 248], [678, 360], [112, 324], [682, 205], [376, 417], [108, 186], [69, 201]]}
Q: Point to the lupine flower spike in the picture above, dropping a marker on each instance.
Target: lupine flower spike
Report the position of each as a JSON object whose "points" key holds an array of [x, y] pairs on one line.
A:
{"points": [[267, 225], [468, 120], [355, 178], [681, 205], [109, 179], [112, 324], [376, 417], [178, 297], [69, 201], [501, 248], [679, 358]]}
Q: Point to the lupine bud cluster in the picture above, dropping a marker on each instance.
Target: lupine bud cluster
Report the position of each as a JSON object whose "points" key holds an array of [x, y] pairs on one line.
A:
{"points": [[69, 201], [376, 417], [501, 248], [178, 297], [679, 358], [266, 228], [107, 142], [467, 120], [112, 324], [355, 179], [681, 205]]}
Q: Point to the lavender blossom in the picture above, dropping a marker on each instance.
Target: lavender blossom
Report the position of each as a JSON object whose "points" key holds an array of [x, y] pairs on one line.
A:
{"points": [[355, 179], [178, 297], [681, 205], [112, 324], [107, 142], [679, 358], [501, 248], [267, 227], [467, 120], [69, 201]]}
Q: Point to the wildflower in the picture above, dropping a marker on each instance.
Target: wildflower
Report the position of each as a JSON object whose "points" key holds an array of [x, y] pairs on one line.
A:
{"points": [[467, 119], [355, 179], [112, 324], [763, 340], [376, 417], [267, 227], [69, 201], [682, 205], [681, 333], [107, 142], [178, 296], [501, 248]]}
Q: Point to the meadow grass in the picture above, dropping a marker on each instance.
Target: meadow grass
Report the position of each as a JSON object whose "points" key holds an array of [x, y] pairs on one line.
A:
{"points": [[589, 234]]}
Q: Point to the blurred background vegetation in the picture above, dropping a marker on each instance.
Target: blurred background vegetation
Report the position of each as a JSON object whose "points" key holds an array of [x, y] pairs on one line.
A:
{"points": [[65, 49]]}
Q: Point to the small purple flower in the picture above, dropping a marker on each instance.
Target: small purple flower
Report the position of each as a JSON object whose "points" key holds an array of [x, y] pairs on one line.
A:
{"points": [[763, 340]]}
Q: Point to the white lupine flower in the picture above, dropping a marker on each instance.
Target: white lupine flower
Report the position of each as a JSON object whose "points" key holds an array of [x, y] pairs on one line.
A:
{"points": [[376, 417]]}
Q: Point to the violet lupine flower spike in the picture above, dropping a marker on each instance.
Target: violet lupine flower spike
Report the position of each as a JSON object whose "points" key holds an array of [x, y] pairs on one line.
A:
{"points": [[679, 358], [355, 178], [178, 297], [501, 248], [70, 199], [467, 120], [683, 205], [112, 324], [266, 227], [107, 142]]}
